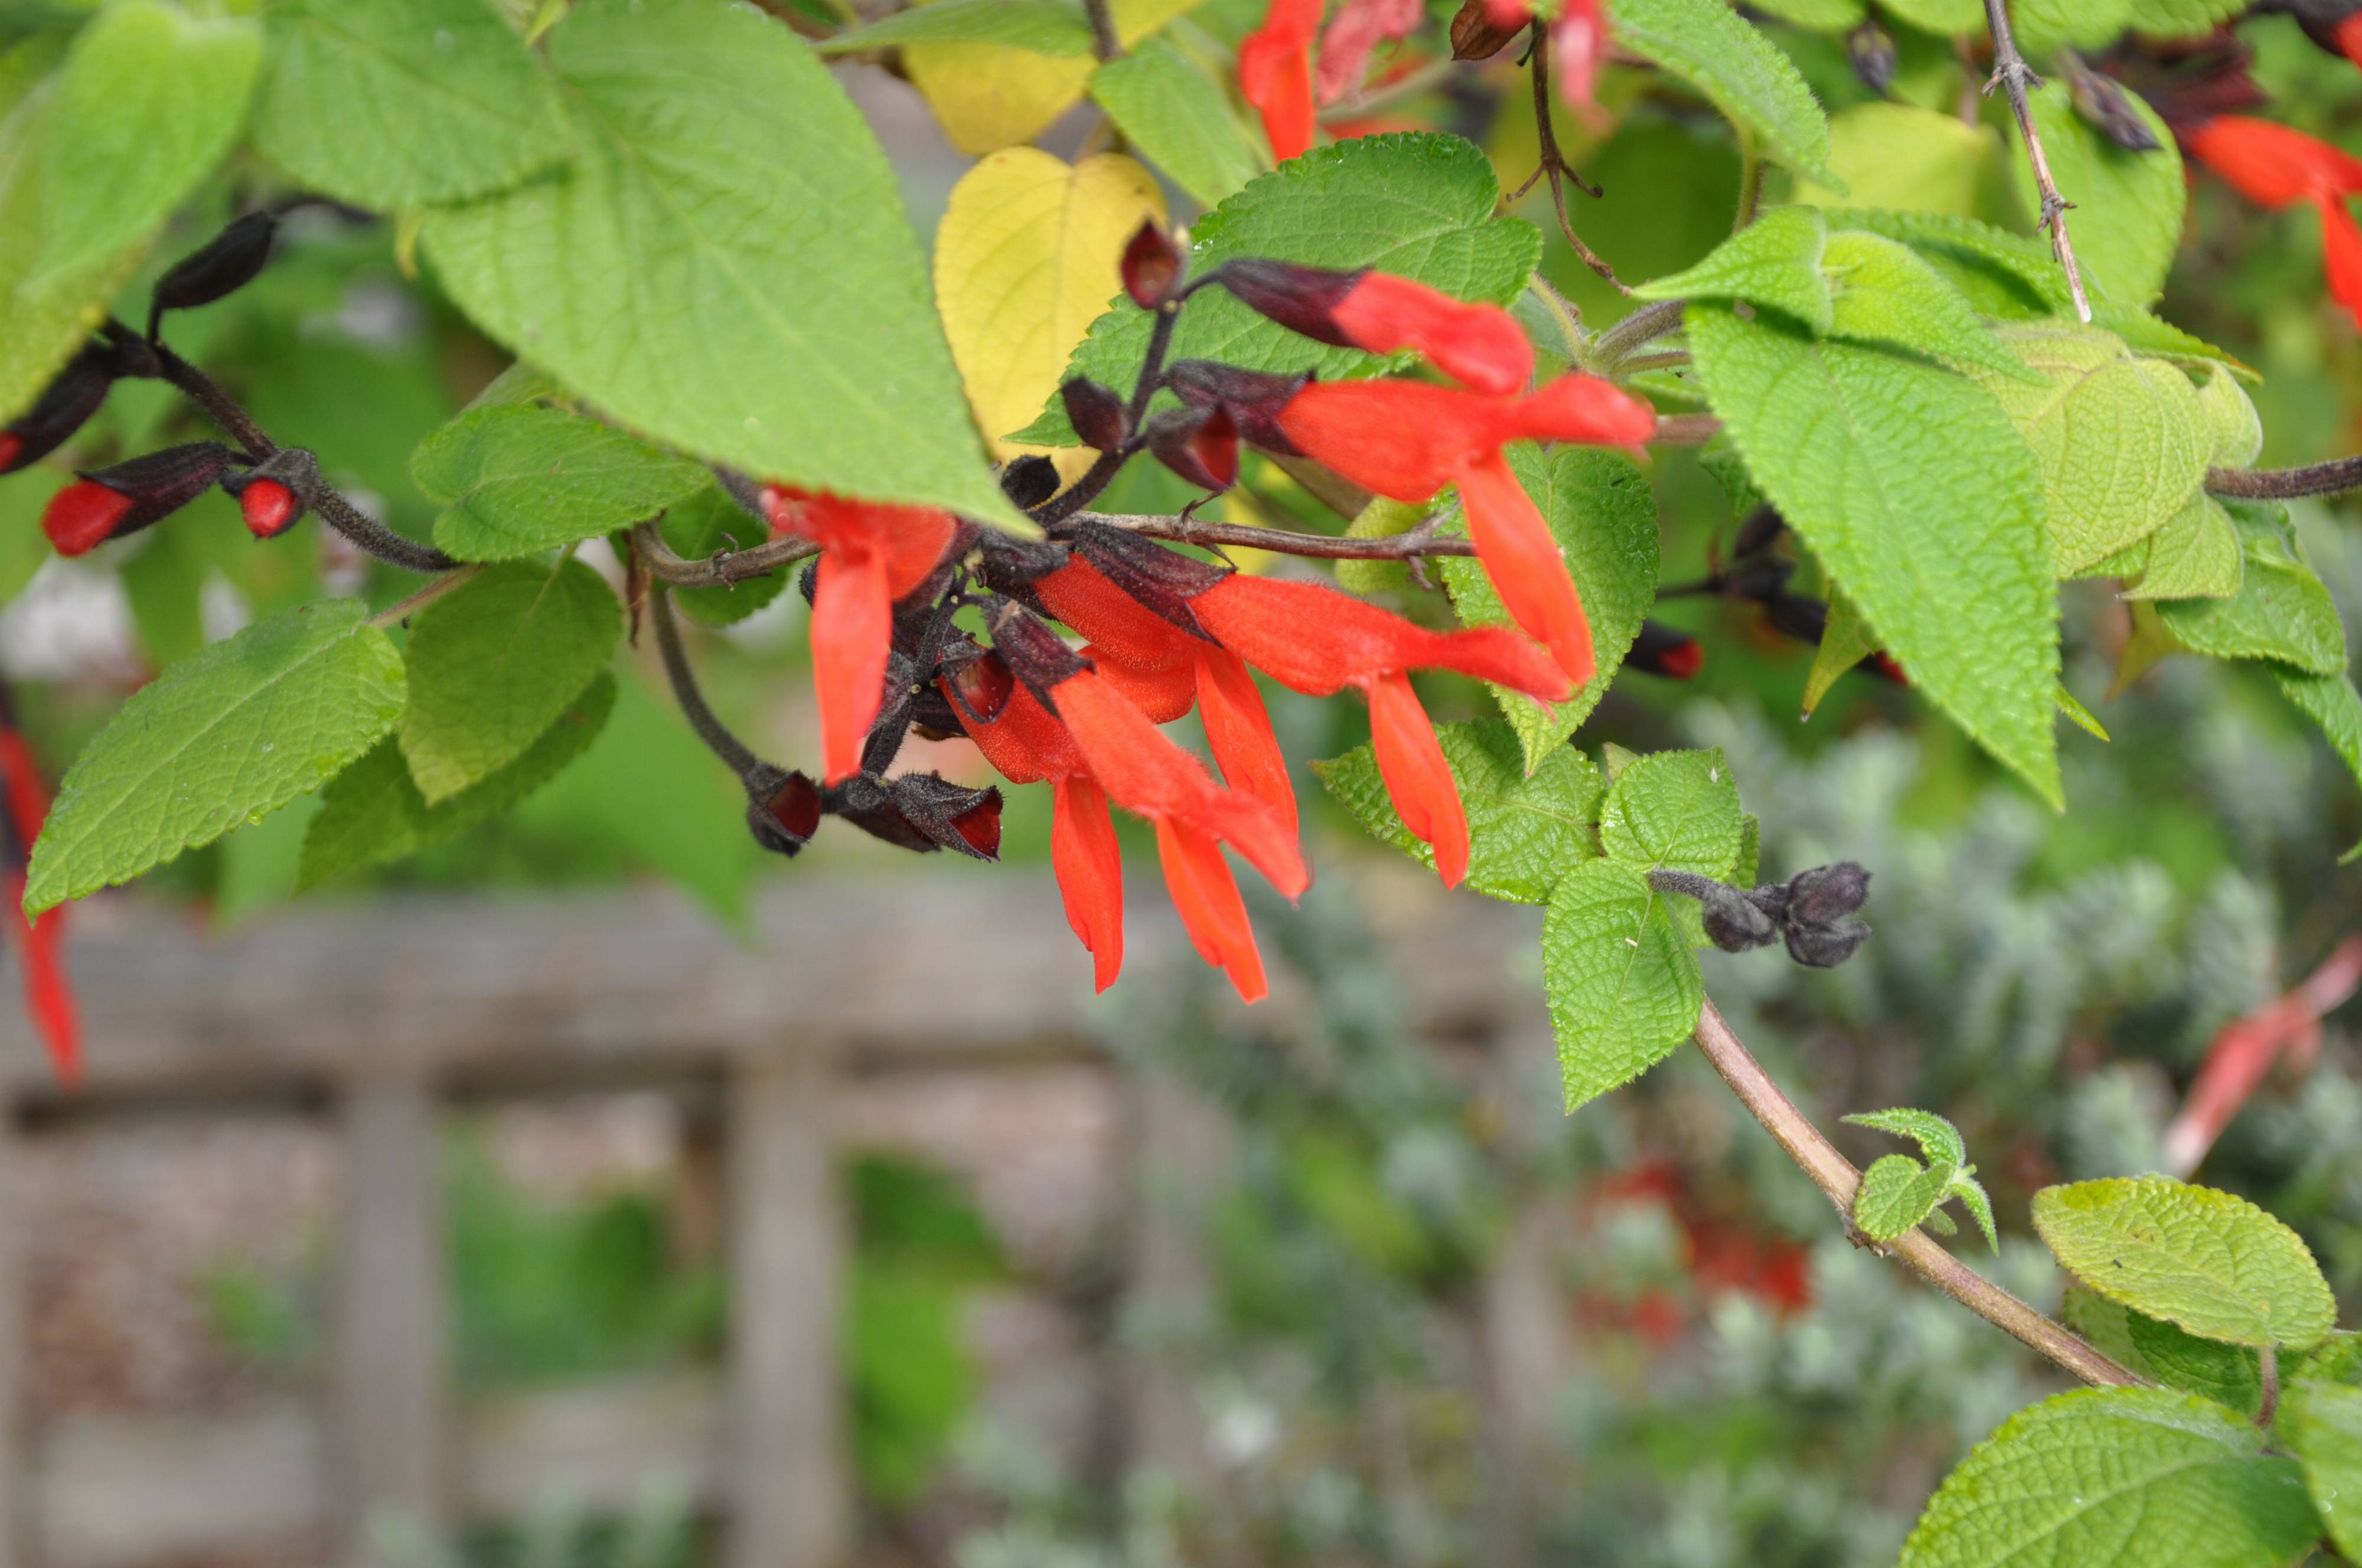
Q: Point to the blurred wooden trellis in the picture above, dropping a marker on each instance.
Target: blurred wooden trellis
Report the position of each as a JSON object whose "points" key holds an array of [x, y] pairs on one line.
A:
{"points": [[382, 1014]]}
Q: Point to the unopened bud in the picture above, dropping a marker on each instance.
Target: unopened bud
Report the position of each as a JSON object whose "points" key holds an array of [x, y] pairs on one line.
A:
{"points": [[782, 809], [2106, 105], [1201, 444], [222, 266], [63, 407], [1028, 481], [1253, 399], [1152, 266], [271, 494], [1871, 48], [1095, 412], [1661, 650], [107, 503], [1478, 33]]}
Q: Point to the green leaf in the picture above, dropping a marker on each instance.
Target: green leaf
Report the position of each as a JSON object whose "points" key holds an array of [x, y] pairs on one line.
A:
{"points": [[738, 281], [1040, 26], [1177, 116], [2196, 555], [2331, 701], [216, 740], [1676, 809], [2162, 340], [1980, 1207], [705, 523], [1821, 15], [1896, 1194], [149, 100], [2122, 441], [2211, 1261], [2228, 1374], [1603, 512], [1413, 204], [1902, 157], [2123, 1478], [2045, 25], [395, 106], [1913, 489], [2231, 418], [1937, 1138], [1741, 73], [2127, 220], [1525, 833], [2105, 1324], [1846, 641], [1623, 985], [2079, 715], [521, 479], [2320, 1419], [1884, 292], [2003, 274], [1377, 518], [2282, 610], [372, 813], [493, 665], [1949, 18], [1774, 261]]}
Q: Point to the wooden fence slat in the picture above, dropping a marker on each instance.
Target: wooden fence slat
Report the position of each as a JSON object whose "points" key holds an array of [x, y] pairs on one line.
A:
{"points": [[388, 1360], [785, 1475]]}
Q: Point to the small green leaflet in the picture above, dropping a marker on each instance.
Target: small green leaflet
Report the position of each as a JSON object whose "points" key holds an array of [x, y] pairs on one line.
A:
{"points": [[1040, 26], [2196, 555], [1525, 833], [391, 107], [705, 524], [1846, 641], [493, 663], [2003, 274], [372, 813], [2123, 1478], [1623, 985], [740, 282], [1169, 107], [2211, 1261], [2045, 25], [218, 740], [1885, 293], [1412, 203], [2122, 441], [520, 479], [2127, 220], [1602, 511], [2320, 1421], [1912, 487], [1741, 73], [2282, 610], [1774, 263], [2237, 431], [2163, 340], [1673, 810], [1897, 1192], [149, 100], [2331, 701]]}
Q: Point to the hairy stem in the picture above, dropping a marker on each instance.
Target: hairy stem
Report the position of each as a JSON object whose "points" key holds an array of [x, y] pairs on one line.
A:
{"points": [[1835, 1175], [723, 568], [405, 608], [1422, 540], [1105, 43], [1554, 166], [2283, 484], [1643, 326], [2012, 75], [693, 707]]}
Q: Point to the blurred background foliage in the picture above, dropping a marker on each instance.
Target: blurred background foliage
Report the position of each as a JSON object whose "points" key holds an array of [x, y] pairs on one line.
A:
{"points": [[1739, 1386]]}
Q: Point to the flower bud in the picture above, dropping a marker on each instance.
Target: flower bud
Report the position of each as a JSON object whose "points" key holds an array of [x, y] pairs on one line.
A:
{"points": [[271, 494], [1151, 265], [1201, 444], [923, 813], [1825, 947], [1095, 412], [63, 407], [1661, 650], [107, 503], [1031, 652], [783, 809], [1028, 481], [1477, 32], [2104, 104], [1827, 893], [1871, 49], [230, 262], [1302, 299], [1253, 399]]}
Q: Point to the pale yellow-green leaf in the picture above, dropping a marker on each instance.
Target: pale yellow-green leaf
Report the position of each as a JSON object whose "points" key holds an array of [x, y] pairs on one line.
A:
{"points": [[2231, 418], [1904, 159], [987, 96], [2196, 555]]}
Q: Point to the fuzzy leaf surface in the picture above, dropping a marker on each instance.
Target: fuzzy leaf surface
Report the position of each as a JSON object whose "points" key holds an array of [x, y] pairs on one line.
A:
{"points": [[218, 740], [1167, 105], [1911, 486], [2320, 1419], [1897, 1193], [1741, 73], [519, 479], [2211, 1261], [2004, 274], [2281, 611], [1623, 985], [1037, 27], [2228, 1374], [1885, 293], [1674, 810], [1774, 261]]}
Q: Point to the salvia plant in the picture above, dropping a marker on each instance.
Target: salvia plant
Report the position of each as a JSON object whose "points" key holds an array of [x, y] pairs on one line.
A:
{"points": [[732, 377]]}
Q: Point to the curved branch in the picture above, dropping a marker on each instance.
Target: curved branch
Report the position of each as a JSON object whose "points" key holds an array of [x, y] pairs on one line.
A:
{"points": [[701, 718], [2012, 73], [720, 569], [1422, 540], [1835, 1175], [2286, 484]]}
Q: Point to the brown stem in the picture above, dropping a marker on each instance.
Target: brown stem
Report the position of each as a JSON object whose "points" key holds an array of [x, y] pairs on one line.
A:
{"points": [[2012, 73], [2283, 484], [1554, 165], [701, 718], [1105, 43], [1686, 430], [1835, 1175], [403, 609], [721, 568], [1643, 326], [1422, 540]]}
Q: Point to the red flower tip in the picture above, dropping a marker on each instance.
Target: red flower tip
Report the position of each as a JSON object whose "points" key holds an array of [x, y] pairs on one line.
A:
{"points": [[1275, 74], [2347, 35], [2271, 164], [1508, 15], [1089, 863], [1417, 779], [852, 633], [1885, 664], [1200, 445], [12, 446], [1151, 265], [1661, 650], [1578, 49], [270, 507], [83, 516], [1211, 912], [1317, 639], [1479, 344], [980, 825], [1526, 567], [1586, 409], [1238, 730]]}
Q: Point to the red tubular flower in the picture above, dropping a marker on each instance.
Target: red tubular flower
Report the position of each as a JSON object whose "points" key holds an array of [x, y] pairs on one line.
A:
{"points": [[1408, 439], [48, 994], [1508, 16], [2275, 166], [63, 407], [270, 508], [1211, 912], [1275, 74], [1378, 312], [1578, 43], [1358, 29], [83, 516], [870, 556], [107, 503]]}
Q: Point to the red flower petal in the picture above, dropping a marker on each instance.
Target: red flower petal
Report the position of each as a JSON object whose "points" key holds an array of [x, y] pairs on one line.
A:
{"points": [[1275, 74], [1082, 596], [1403, 439], [1578, 48], [83, 516], [1352, 34], [852, 632], [2348, 34], [11, 444], [1417, 779], [1239, 732], [1480, 345], [48, 995], [2340, 244], [910, 539], [1525, 564], [1211, 911], [1161, 695], [268, 506], [1089, 866], [1586, 409], [1317, 640], [1022, 740], [2271, 164]]}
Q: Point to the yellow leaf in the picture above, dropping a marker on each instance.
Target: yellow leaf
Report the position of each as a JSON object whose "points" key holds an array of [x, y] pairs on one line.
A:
{"points": [[987, 96], [1027, 254]]}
